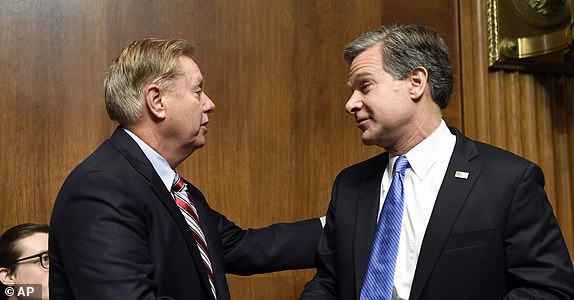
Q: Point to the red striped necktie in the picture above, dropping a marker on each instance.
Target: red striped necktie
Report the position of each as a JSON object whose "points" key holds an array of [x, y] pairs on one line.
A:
{"points": [[189, 211]]}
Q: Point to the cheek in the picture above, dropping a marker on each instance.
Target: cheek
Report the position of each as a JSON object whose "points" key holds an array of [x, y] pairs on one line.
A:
{"points": [[32, 277], [194, 112]]}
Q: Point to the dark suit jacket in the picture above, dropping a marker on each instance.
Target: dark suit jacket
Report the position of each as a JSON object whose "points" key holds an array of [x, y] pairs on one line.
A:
{"points": [[116, 233], [490, 236]]}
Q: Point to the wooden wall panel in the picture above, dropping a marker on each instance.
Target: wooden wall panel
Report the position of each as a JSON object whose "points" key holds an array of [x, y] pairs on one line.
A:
{"points": [[531, 115], [50, 106]]}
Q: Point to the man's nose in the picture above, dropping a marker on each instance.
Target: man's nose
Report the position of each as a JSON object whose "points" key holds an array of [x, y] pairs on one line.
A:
{"points": [[354, 103], [208, 105]]}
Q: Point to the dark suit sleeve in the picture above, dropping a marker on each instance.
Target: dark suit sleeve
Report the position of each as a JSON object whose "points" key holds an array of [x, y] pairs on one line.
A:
{"points": [[538, 263], [283, 246], [324, 284], [99, 234]]}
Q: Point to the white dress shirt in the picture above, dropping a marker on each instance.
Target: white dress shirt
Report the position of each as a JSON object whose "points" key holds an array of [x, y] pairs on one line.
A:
{"points": [[428, 163], [160, 165]]}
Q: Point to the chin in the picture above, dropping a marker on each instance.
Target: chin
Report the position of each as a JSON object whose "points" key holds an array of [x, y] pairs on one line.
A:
{"points": [[368, 141], [199, 145], [193, 145]]}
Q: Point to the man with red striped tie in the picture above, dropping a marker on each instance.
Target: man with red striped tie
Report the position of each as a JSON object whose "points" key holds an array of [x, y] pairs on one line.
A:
{"points": [[125, 225]]}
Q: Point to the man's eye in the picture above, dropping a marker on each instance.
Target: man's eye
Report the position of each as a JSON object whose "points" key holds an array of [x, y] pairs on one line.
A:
{"points": [[365, 87]]}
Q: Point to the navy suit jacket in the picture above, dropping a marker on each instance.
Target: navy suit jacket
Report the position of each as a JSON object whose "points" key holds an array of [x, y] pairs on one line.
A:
{"points": [[492, 235], [116, 233]]}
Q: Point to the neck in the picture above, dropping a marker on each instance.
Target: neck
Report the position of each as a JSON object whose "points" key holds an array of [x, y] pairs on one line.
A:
{"points": [[414, 134], [152, 136]]}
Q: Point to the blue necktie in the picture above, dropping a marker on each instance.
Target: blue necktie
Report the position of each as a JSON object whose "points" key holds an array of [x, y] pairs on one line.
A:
{"points": [[379, 279]]}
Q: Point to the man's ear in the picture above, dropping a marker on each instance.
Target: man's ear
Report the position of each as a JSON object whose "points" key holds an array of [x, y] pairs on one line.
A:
{"points": [[418, 82], [6, 277], [154, 101]]}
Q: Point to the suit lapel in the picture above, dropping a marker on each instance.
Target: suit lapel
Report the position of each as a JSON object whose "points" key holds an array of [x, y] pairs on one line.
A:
{"points": [[368, 198], [167, 200], [173, 209], [129, 148], [450, 199]]}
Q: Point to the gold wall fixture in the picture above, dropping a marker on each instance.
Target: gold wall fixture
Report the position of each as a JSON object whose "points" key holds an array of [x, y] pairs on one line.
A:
{"points": [[531, 35]]}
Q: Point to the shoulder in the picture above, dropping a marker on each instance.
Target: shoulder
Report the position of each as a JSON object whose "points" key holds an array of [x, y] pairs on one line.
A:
{"points": [[492, 159], [105, 161], [490, 154], [119, 156], [105, 171]]}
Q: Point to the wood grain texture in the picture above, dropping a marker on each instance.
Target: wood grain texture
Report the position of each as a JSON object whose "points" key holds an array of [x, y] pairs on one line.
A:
{"points": [[531, 115]]}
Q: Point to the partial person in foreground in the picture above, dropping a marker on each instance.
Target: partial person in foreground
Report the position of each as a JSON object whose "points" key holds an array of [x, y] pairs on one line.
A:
{"points": [[24, 262], [437, 215], [125, 225]]}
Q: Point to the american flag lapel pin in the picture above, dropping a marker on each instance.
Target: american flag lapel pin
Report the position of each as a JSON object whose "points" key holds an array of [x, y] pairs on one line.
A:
{"points": [[461, 174]]}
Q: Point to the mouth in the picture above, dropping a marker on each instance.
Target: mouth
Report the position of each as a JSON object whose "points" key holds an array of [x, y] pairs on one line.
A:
{"points": [[362, 123], [204, 126]]}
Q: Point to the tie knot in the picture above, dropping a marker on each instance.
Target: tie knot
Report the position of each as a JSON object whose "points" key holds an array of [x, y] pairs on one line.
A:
{"points": [[401, 164], [178, 184]]}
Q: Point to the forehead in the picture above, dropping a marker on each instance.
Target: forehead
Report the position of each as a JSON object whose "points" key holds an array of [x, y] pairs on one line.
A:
{"points": [[33, 244], [190, 70], [368, 62]]}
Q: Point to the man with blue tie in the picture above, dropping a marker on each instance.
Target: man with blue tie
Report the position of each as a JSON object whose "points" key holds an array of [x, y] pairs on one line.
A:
{"points": [[438, 215]]}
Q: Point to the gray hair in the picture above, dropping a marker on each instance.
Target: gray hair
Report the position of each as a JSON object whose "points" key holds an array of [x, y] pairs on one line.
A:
{"points": [[142, 63], [406, 47]]}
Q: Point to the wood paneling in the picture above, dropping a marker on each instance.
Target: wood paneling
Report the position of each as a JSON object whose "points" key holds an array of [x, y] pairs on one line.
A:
{"points": [[51, 109], [531, 115]]}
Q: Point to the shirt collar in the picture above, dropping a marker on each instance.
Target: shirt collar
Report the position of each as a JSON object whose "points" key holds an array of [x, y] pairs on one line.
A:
{"points": [[430, 150], [160, 165]]}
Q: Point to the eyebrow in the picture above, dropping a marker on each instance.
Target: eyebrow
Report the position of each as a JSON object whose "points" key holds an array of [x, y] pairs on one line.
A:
{"points": [[199, 81], [358, 77]]}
